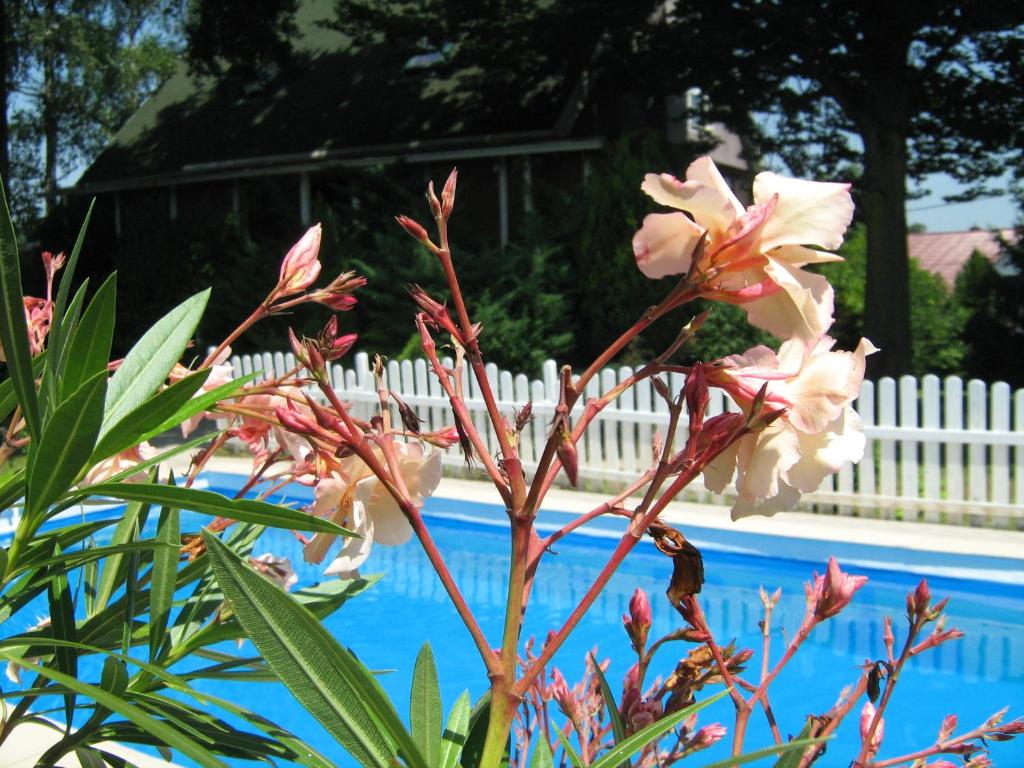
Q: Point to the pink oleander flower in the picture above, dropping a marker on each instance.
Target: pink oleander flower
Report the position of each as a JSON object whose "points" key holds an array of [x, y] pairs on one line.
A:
{"points": [[221, 372], [358, 500], [301, 265], [832, 592], [754, 255], [120, 462], [867, 714], [278, 569], [257, 433], [818, 432]]}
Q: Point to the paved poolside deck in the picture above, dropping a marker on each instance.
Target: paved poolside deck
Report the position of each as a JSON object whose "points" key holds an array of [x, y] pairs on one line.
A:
{"points": [[29, 741]]}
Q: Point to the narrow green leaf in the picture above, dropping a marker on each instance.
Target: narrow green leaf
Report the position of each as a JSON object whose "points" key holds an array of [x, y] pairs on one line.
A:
{"points": [[89, 346], [454, 736], [115, 676], [8, 397], [792, 759], [158, 728], [68, 276], [155, 416], [62, 623], [66, 445], [629, 747], [165, 571], [89, 758], [146, 366], [126, 531], [574, 758], [542, 757], [326, 678], [13, 328], [50, 388], [12, 489], [618, 727], [207, 502], [473, 751], [425, 706], [68, 561], [775, 749]]}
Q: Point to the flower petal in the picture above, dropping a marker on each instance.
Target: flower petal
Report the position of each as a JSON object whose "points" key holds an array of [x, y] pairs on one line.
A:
{"points": [[355, 551], [704, 195], [762, 461], [823, 453], [807, 213], [664, 244], [802, 309]]}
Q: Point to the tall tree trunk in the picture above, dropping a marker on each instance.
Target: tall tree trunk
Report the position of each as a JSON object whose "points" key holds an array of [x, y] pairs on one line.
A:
{"points": [[887, 293]]}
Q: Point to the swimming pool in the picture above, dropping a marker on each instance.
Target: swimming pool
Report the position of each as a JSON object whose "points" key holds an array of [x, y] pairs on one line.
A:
{"points": [[386, 625]]}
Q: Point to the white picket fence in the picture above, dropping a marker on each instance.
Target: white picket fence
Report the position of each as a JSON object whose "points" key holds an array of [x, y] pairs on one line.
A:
{"points": [[938, 449]]}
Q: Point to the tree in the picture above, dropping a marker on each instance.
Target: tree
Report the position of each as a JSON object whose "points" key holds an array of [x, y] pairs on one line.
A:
{"points": [[73, 72], [876, 93]]}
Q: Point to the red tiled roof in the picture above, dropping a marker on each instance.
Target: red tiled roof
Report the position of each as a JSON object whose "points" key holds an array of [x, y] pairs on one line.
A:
{"points": [[945, 253]]}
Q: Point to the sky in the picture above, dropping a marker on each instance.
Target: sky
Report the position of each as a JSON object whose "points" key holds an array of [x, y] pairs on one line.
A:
{"points": [[939, 216]]}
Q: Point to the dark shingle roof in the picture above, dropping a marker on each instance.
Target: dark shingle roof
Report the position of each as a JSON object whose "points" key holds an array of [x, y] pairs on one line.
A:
{"points": [[335, 99]]}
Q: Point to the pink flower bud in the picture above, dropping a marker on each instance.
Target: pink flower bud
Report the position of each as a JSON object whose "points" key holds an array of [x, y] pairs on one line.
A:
{"points": [[442, 438], [707, 736], [414, 229], [867, 715], [638, 621], [561, 694], [301, 266], [832, 592], [339, 302], [448, 194]]}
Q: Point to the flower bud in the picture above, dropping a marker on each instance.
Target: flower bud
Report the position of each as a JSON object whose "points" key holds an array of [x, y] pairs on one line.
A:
{"points": [[707, 736], [566, 451], [697, 397], [301, 266], [524, 416], [867, 715], [414, 229], [448, 194], [832, 592], [638, 621], [442, 438], [435, 204], [561, 694], [410, 420]]}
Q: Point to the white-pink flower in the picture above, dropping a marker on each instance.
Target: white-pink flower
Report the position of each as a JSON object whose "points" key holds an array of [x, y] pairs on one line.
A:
{"points": [[121, 462], [754, 255], [818, 432], [221, 372], [360, 502]]}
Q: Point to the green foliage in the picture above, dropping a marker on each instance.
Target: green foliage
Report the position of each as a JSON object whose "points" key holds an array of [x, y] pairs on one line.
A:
{"points": [[111, 590], [937, 317], [994, 301]]}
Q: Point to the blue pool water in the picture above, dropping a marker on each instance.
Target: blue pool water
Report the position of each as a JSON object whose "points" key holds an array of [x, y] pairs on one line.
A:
{"points": [[386, 625]]}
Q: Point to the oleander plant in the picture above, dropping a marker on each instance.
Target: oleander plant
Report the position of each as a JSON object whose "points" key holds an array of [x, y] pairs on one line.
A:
{"points": [[115, 610]]}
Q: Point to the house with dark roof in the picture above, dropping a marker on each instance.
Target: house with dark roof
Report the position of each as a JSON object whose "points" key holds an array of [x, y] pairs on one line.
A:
{"points": [[198, 148]]}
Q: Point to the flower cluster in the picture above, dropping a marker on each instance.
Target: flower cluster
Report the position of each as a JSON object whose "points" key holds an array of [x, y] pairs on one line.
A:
{"points": [[754, 257]]}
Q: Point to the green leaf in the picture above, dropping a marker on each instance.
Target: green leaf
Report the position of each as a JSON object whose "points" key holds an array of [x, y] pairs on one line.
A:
{"points": [[89, 758], [618, 727], [165, 410], [13, 328], [455, 733], [62, 622], [542, 757], [12, 489], [50, 388], [146, 366], [89, 347], [210, 503], [425, 706], [127, 530], [326, 678], [8, 397], [572, 754], [67, 442], [158, 728], [64, 289], [792, 759], [629, 747], [473, 750], [797, 746], [165, 572]]}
